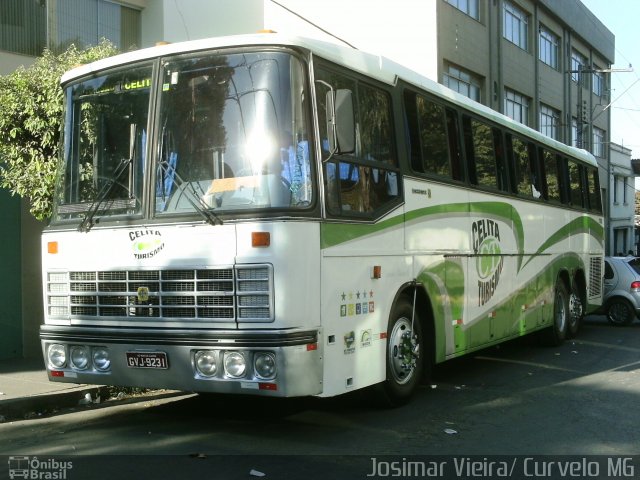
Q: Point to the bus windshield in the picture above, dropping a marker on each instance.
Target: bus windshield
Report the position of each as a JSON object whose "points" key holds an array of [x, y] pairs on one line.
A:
{"points": [[233, 134], [104, 145], [230, 135]]}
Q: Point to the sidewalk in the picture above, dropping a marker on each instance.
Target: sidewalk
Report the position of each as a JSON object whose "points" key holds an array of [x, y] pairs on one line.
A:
{"points": [[25, 390]]}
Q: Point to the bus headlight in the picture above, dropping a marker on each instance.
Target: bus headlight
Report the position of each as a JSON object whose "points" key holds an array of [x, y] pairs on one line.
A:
{"points": [[79, 357], [234, 364], [264, 364], [206, 364], [57, 355], [101, 359]]}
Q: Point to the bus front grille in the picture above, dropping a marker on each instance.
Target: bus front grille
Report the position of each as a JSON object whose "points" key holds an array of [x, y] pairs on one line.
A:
{"points": [[242, 293]]}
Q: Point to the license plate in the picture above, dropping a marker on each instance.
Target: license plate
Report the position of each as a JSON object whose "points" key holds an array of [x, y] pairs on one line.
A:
{"points": [[147, 360]]}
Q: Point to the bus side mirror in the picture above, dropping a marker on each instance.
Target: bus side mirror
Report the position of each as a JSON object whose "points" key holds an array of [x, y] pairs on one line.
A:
{"points": [[340, 122]]}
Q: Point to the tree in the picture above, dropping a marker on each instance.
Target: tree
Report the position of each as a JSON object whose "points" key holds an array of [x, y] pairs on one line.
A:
{"points": [[31, 107]]}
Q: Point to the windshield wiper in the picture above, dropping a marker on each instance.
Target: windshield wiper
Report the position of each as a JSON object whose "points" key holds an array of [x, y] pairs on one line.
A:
{"points": [[190, 193], [103, 194]]}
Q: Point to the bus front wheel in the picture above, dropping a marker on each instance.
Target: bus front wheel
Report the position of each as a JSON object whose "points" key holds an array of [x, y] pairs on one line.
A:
{"points": [[404, 354]]}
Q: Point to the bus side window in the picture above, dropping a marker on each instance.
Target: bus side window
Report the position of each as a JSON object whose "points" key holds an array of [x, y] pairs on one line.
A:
{"points": [[521, 167], [455, 152], [481, 153], [365, 181], [552, 178], [593, 181], [575, 184], [411, 111], [433, 136], [502, 175]]}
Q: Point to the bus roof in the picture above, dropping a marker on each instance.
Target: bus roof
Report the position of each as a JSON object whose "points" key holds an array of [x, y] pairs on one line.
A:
{"points": [[374, 66]]}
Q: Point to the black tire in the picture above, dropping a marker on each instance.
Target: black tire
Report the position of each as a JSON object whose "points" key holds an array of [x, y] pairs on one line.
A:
{"points": [[405, 358], [620, 311], [557, 332], [576, 311]]}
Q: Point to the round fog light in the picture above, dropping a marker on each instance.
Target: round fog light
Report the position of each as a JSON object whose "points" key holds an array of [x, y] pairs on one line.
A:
{"points": [[57, 355], [79, 357], [101, 359], [264, 365], [234, 364], [206, 363]]}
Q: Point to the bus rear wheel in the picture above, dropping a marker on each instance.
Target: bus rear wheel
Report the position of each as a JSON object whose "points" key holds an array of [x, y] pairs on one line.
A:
{"points": [[576, 311], [405, 358]]}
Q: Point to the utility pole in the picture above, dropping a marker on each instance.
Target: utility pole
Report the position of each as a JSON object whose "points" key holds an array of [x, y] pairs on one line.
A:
{"points": [[583, 116], [582, 110]]}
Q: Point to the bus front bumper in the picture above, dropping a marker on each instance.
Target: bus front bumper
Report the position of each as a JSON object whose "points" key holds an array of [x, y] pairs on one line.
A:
{"points": [[284, 363]]}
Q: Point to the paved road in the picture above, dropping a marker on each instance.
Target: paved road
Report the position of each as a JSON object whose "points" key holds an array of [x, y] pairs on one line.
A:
{"points": [[520, 399]]}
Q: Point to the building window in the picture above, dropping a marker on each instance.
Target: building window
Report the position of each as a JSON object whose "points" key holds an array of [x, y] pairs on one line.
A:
{"points": [[470, 7], [616, 181], [598, 142], [578, 62], [549, 121], [516, 25], [516, 106], [597, 80], [548, 47], [23, 27], [462, 81], [86, 22]]}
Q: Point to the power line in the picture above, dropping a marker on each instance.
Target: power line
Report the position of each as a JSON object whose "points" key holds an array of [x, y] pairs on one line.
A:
{"points": [[313, 24]]}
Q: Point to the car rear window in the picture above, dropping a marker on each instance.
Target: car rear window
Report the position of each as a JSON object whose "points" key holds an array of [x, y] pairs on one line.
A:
{"points": [[635, 264]]}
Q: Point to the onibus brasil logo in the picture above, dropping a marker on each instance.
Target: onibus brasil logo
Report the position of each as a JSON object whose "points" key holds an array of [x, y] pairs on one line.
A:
{"points": [[38, 469], [485, 240]]}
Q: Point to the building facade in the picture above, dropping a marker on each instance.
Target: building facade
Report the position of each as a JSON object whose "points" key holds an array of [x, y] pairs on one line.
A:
{"points": [[26, 28], [621, 185], [541, 62]]}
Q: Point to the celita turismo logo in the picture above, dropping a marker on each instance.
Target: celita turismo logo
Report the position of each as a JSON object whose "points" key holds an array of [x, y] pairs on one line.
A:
{"points": [[485, 241], [38, 469], [146, 243]]}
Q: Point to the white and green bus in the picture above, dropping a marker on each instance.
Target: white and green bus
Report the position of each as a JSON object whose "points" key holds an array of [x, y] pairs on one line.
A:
{"points": [[281, 216]]}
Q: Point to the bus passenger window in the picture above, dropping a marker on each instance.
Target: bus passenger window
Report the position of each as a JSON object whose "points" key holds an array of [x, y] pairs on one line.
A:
{"points": [[552, 177], [575, 185], [525, 179], [595, 202], [433, 136], [481, 154], [366, 181]]}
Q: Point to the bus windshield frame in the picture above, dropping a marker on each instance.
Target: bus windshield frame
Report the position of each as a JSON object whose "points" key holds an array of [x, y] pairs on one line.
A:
{"points": [[227, 133]]}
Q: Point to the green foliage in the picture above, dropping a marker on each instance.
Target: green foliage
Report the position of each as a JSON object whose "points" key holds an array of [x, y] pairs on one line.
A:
{"points": [[31, 105]]}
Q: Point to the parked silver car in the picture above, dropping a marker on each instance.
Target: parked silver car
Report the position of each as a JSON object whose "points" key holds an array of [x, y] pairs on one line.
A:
{"points": [[621, 302]]}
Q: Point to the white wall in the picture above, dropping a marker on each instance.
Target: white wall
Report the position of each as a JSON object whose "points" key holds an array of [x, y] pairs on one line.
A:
{"points": [[622, 211], [403, 30], [176, 21]]}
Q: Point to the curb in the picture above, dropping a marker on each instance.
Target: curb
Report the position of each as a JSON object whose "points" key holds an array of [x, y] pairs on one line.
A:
{"points": [[40, 405], [44, 405]]}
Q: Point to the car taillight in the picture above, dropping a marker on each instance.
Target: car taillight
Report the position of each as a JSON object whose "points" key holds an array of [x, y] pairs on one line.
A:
{"points": [[635, 286]]}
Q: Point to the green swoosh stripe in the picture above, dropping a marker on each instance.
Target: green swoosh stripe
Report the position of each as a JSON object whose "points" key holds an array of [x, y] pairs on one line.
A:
{"points": [[336, 233], [332, 234], [583, 224]]}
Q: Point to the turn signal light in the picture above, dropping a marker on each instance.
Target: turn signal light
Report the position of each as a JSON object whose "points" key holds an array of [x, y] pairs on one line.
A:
{"points": [[52, 247], [635, 285], [260, 239]]}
